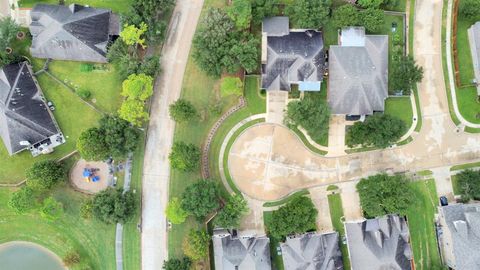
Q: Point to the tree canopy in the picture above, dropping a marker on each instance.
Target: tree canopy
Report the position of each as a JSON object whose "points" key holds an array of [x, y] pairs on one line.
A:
{"points": [[51, 209], [182, 111], [132, 35], [45, 174], [264, 8], [405, 74], [196, 244], [309, 13], [175, 212], [370, 3], [113, 206], [133, 111], [382, 194], [231, 86], [468, 182], [241, 13], [184, 157], [373, 19], [346, 15], [91, 144], [201, 198], [22, 200], [177, 264], [120, 137], [8, 32], [230, 215], [470, 9], [297, 216], [138, 86], [379, 130]]}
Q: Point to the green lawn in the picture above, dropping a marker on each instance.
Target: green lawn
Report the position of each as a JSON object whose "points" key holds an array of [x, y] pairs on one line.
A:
{"points": [[105, 85], [400, 107], [120, 6], [465, 166], [455, 187], [422, 228], [277, 260], [464, 53], [467, 103], [287, 199], [72, 115], [94, 241], [336, 214]]}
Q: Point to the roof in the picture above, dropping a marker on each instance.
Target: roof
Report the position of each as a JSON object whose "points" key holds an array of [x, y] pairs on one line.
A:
{"points": [[293, 56], [378, 244], [358, 73], [312, 251], [24, 116], [240, 252], [474, 39], [72, 32], [463, 222]]}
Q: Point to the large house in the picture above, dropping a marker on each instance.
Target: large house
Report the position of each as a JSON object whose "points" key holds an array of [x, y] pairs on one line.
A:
{"points": [[358, 73], [291, 57], [380, 243], [312, 251], [74, 32], [459, 237], [474, 39], [26, 121], [240, 252]]}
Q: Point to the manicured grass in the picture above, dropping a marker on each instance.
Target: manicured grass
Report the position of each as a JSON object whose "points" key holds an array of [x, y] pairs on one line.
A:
{"points": [[307, 143], [400, 107], [422, 227], [425, 173], [105, 85], [467, 103], [455, 186], [465, 166], [411, 22], [332, 187], [336, 214], [465, 64], [287, 199], [387, 30], [277, 260], [399, 7], [72, 115], [120, 6], [94, 241]]}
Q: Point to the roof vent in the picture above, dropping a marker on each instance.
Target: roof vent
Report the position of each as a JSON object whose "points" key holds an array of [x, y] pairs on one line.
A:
{"points": [[75, 8]]}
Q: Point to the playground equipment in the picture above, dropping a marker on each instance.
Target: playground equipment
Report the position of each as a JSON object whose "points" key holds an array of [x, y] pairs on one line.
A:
{"points": [[90, 175]]}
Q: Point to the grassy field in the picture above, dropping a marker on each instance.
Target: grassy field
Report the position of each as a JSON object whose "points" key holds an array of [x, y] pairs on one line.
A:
{"points": [[465, 166], [277, 260], [105, 85], [120, 6], [336, 214], [287, 199], [94, 241], [422, 228], [400, 107]]}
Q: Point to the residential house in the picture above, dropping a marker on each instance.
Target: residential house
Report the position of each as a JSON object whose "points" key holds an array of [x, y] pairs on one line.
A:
{"points": [[459, 235], [358, 73], [474, 39], [26, 121], [312, 251], [74, 32], [240, 252], [379, 244]]}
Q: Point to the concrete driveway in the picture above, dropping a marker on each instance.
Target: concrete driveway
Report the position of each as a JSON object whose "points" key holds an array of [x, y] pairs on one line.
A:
{"points": [[276, 106]]}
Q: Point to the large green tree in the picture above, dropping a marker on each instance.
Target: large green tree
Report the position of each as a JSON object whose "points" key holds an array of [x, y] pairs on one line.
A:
{"points": [[133, 35], [184, 157], [241, 13], [468, 182], [309, 13], [138, 86], [175, 212], [264, 8], [382, 194], [91, 144], [8, 32], [120, 137], [196, 244], [470, 9], [370, 3], [346, 15], [183, 111], [230, 215], [297, 216], [201, 198], [113, 206], [379, 130], [177, 264], [373, 19], [405, 74], [22, 200], [133, 111], [45, 174]]}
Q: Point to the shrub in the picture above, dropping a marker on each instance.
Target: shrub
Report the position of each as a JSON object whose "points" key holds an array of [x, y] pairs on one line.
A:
{"points": [[22, 200], [177, 264], [175, 212], [470, 9], [51, 209], [230, 215], [195, 245], [379, 130], [184, 157], [45, 174], [373, 19], [183, 111], [84, 93], [468, 182], [201, 198], [72, 258]]}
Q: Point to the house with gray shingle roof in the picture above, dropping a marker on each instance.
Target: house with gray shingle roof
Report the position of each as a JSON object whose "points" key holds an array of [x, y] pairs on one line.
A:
{"points": [[291, 56], [74, 32], [312, 251], [474, 40], [358, 73], [26, 122], [379, 244], [460, 235], [240, 252]]}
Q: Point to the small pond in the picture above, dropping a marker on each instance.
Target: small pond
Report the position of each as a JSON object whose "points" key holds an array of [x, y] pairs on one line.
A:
{"points": [[28, 256]]}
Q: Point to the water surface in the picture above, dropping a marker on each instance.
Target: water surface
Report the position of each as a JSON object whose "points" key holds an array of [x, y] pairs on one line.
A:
{"points": [[28, 256]]}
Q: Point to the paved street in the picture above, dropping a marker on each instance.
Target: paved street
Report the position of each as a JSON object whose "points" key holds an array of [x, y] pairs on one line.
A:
{"points": [[160, 132]]}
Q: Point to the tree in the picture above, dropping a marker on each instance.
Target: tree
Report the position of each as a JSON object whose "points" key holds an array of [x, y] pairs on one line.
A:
{"points": [[382, 194], [241, 13], [120, 137], [22, 200], [138, 86], [195, 245], [310, 113], [373, 19], [468, 182], [175, 212], [8, 32], [230, 215], [182, 111], [379, 130], [470, 9], [231, 86], [133, 111], [246, 53], [296, 216], [370, 3], [113, 206], [201, 198], [86, 209], [184, 157], [71, 259], [346, 15], [264, 8], [91, 144], [45, 174], [132, 35], [309, 13], [51, 209], [405, 74], [177, 264]]}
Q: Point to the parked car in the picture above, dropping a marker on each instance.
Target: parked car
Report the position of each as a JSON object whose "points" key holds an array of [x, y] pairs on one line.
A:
{"points": [[443, 201]]}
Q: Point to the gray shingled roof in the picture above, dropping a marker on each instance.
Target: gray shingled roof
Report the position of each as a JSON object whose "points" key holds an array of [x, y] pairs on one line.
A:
{"points": [[312, 251], [24, 116], [292, 56], [240, 252], [358, 74], [463, 221], [72, 32], [378, 244], [474, 39]]}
